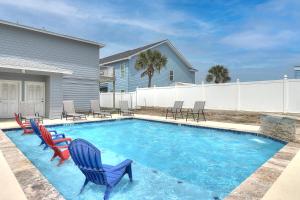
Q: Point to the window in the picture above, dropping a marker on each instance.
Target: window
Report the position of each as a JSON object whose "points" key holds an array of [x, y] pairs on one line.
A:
{"points": [[122, 91], [123, 70], [171, 75]]}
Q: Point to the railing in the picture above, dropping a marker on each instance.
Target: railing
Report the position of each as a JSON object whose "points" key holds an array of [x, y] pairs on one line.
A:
{"points": [[107, 71]]}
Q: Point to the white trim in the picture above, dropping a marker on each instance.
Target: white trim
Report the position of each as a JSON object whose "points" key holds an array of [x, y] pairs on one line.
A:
{"points": [[297, 68], [51, 33], [60, 71]]}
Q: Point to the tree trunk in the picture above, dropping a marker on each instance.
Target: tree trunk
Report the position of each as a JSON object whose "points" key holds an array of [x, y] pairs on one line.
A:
{"points": [[149, 81]]}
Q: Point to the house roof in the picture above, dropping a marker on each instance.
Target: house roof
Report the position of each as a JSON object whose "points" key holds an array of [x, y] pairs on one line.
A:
{"points": [[51, 33], [128, 54], [8, 62]]}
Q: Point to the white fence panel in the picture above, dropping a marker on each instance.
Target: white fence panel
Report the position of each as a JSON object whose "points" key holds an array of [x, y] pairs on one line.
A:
{"points": [[221, 96], [293, 102], [262, 96], [106, 99], [188, 94]]}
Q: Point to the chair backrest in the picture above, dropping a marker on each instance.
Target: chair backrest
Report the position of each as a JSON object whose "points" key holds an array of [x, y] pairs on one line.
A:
{"points": [[178, 104], [68, 107], [199, 106], [123, 105], [46, 136], [35, 127], [95, 105], [88, 159], [27, 108], [17, 118]]}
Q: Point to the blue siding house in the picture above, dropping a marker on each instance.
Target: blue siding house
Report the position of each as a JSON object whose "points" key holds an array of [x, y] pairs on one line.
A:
{"points": [[177, 69], [297, 72]]}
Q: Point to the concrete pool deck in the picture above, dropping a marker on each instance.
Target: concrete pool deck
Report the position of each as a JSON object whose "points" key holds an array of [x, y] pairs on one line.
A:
{"points": [[35, 185]]}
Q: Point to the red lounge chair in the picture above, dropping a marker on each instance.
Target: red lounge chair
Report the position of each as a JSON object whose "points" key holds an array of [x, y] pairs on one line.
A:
{"points": [[61, 151], [25, 126]]}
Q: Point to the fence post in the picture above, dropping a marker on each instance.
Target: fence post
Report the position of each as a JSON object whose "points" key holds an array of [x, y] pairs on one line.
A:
{"points": [[238, 94], [285, 93], [203, 91], [136, 97]]}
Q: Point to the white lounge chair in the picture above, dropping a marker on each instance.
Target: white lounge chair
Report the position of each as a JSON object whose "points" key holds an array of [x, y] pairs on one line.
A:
{"points": [[95, 108], [69, 111]]}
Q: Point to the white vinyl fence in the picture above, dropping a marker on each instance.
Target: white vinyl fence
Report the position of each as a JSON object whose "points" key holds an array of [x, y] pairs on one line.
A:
{"points": [[264, 96]]}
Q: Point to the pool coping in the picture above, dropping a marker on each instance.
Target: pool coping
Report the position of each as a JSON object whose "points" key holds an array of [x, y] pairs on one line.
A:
{"points": [[35, 185]]}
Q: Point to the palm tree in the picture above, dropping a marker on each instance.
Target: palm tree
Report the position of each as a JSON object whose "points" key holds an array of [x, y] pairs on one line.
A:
{"points": [[150, 61], [218, 74]]}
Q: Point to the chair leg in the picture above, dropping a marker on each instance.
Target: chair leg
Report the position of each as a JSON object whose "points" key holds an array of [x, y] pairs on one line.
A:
{"points": [[198, 117], [61, 161], [107, 192], [54, 155], [129, 172], [203, 115], [83, 186], [167, 114]]}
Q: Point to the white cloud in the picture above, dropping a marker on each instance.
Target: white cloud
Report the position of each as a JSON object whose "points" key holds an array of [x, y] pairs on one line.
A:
{"points": [[60, 8], [258, 40], [109, 14]]}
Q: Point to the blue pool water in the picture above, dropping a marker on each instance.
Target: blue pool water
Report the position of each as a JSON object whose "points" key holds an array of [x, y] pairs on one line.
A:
{"points": [[170, 161]]}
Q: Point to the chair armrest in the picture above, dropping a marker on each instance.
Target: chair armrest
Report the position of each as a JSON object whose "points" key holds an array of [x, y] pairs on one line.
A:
{"points": [[62, 140], [61, 135], [122, 165], [53, 131]]}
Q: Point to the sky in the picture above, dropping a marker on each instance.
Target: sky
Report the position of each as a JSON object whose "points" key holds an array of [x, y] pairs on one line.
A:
{"points": [[254, 39]]}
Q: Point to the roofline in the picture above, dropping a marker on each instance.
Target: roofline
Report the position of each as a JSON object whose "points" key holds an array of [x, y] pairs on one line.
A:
{"points": [[163, 41], [110, 62], [50, 33]]}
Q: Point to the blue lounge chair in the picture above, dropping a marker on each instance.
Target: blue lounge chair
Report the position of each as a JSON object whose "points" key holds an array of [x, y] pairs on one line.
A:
{"points": [[88, 159], [37, 131]]}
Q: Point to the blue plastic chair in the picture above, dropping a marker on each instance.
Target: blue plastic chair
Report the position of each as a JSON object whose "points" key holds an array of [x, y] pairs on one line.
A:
{"points": [[37, 131], [88, 159]]}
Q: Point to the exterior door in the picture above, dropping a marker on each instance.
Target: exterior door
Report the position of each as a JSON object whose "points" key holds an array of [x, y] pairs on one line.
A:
{"points": [[35, 93], [10, 94]]}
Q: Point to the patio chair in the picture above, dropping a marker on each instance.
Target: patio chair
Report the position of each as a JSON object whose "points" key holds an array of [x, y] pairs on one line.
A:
{"points": [[176, 109], [196, 111], [27, 112], [124, 110], [88, 159], [59, 150], [95, 108], [24, 125], [69, 111], [35, 127]]}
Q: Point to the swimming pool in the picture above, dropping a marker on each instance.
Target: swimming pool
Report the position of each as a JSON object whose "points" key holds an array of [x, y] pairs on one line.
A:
{"points": [[170, 161]]}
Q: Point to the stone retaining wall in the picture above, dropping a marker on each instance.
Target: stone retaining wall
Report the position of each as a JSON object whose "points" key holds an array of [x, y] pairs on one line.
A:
{"points": [[281, 127]]}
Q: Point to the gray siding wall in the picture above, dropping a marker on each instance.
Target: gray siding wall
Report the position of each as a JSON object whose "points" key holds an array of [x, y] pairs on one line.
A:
{"points": [[81, 58]]}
